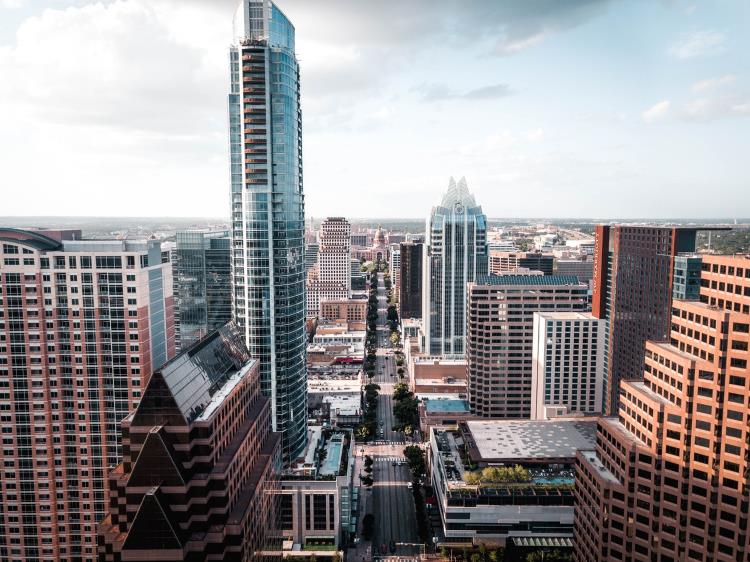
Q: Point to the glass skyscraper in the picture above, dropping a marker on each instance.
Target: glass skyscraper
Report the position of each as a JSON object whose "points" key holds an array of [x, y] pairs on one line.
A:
{"points": [[268, 214], [455, 254], [201, 273]]}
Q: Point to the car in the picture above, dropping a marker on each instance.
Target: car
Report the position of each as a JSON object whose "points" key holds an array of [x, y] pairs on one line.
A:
{"points": [[383, 549], [394, 463], [392, 546], [409, 485]]}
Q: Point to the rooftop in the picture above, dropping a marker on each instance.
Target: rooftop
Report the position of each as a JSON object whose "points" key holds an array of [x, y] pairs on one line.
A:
{"points": [[598, 467], [567, 315], [519, 280], [518, 440]]}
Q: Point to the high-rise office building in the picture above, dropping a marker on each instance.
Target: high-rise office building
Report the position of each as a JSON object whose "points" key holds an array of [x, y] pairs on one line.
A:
{"points": [[83, 323], [268, 214], [197, 480], [410, 280], [201, 274], [633, 269], [311, 255], [686, 281], [567, 364], [499, 338], [335, 255], [668, 479], [455, 254]]}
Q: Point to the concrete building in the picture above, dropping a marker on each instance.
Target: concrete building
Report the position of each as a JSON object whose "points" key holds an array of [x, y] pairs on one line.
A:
{"points": [[316, 496], [668, 478], [410, 280], [500, 330], [268, 210], [336, 396], [201, 275], [335, 254], [197, 476], [455, 254], [567, 364], [633, 274], [442, 410], [536, 501], [509, 262], [83, 323], [395, 270], [311, 255]]}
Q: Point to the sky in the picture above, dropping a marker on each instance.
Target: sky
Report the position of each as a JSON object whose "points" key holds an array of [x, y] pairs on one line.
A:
{"points": [[579, 108]]}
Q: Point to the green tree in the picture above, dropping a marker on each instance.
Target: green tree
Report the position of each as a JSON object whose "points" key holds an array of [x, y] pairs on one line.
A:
{"points": [[368, 526]]}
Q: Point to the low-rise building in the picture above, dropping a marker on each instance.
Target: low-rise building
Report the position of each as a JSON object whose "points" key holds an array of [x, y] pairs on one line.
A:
{"points": [[528, 495], [316, 496], [345, 310], [442, 410], [336, 398]]}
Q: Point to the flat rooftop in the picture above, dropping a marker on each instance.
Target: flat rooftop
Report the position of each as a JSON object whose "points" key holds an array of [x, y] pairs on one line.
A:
{"points": [[447, 406], [598, 467], [509, 440], [567, 315]]}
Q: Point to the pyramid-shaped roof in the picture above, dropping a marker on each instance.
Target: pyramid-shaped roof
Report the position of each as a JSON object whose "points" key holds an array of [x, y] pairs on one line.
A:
{"points": [[458, 193]]}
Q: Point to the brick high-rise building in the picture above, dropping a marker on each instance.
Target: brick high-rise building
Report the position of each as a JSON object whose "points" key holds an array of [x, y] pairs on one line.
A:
{"points": [[83, 323], [504, 262], [499, 337], [669, 477], [198, 475], [410, 279], [633, 271]]}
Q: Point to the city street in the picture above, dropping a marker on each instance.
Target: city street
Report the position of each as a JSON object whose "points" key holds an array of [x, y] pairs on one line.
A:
{"points": [[391, 500]]}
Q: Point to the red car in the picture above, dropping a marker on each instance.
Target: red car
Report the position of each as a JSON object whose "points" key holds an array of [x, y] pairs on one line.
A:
{"points": [[383, 549]]}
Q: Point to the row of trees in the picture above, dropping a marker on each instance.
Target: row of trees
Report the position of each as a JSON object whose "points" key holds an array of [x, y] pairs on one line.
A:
{"points": [[371, 342], [498, 475], [415, 459], [369, 426], [405, 408]]}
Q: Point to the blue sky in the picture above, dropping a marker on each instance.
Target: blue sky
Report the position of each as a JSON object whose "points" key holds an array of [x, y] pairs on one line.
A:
{"points": [[583, 108]]}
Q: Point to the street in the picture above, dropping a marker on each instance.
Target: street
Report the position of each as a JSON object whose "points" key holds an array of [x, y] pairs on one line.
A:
{"points": [[391, 500]]}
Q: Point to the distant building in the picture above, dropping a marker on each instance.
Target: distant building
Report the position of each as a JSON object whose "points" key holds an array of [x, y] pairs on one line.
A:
{"points": [[500, 323], [504, 262], [360, 239], [536, 505], [349, 310], [455, 254], [633, 274], [311, 255], [668, 477], [201, 436], [410, 279], [83, 323], [583, 268], [202, 278], [567, 364]]}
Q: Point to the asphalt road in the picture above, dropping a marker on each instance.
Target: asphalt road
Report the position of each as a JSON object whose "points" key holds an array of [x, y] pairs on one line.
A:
{"points": [[390, 501]]}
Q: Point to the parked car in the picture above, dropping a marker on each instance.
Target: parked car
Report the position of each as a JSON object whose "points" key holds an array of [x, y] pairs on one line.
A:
{"points": [[383, 549], [392, 546], [409, 485]]}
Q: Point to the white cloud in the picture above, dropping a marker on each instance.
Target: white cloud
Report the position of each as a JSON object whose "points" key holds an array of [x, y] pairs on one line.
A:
{"points": [[656, 112], [12, 4], [717, 107], [714, 83], [698, 44]]}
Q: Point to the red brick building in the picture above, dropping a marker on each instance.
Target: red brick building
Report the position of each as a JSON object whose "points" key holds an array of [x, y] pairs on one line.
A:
{"points": [[668, 480], [83, 323], [197, 481]]}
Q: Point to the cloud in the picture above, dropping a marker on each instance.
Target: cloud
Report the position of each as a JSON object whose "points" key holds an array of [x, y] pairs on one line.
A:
{"points": [[656, 112], [440, 92], [703, 109], [12, 4], [698, 44], [713, 83]]}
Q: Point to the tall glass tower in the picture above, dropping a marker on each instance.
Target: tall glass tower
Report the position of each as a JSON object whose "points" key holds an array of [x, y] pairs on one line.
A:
{"points": [[455, 254], [268, 211]]}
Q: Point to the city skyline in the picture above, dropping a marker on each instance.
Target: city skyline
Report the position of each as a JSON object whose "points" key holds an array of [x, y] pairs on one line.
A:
{"points": [[604, 141]]}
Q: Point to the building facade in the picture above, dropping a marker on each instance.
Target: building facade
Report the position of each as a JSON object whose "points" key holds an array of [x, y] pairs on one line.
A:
{"points": [[567, 364], [671, 471], [348, 310], [268, 214], [583, 267], [197, 480], [504, 262], [82, 325], [686, 282], [455, 254], [201, 274], [499, 339], [335, 254], [410, 280], [633, 273]]}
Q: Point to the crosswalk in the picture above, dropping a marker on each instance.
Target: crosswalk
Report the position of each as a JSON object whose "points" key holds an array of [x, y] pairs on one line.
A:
{"points": [[394, 442], [389, 459]]}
